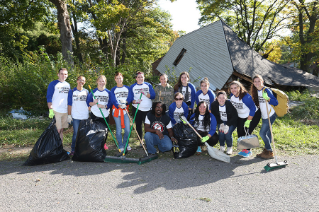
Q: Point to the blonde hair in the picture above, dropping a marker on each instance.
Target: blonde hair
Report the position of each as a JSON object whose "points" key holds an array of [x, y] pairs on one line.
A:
{"points": [[99, 77]]}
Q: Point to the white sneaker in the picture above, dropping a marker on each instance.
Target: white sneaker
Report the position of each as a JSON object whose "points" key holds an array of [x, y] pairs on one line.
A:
{"points": [[128, 148], [229, 150], [222, 148]]}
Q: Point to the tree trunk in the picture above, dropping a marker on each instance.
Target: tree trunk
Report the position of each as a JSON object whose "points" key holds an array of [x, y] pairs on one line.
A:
{"points": [[76, 38], [65, 29]]}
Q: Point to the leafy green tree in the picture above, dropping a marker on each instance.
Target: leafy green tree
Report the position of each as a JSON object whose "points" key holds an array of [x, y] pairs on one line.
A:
{"points": [[255, 21]]}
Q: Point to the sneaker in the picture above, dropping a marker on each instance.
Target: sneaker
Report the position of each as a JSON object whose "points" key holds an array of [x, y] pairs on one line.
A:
{"points": [[199, 150], [128, 148], [245, 153], [229, 150], [222, 148]]}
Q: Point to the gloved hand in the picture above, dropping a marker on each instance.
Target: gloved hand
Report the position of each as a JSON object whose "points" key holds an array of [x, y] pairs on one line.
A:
{"points": [[265, 96], [183, 119], [51, 113], [221, 127], [69, 119], [226, 128], [138, 101], [247, 123], [204, 139]]}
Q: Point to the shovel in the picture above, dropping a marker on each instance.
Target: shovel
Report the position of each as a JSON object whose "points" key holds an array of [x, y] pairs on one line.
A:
{"points": [[213, 152]]}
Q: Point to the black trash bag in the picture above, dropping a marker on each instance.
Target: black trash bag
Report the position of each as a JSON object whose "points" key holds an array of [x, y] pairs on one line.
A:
{"points": [[48, 148], [90, 140], [187, 140]]}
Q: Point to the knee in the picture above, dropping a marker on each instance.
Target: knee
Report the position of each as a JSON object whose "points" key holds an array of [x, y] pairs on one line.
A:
{"points": [[148, 137]]}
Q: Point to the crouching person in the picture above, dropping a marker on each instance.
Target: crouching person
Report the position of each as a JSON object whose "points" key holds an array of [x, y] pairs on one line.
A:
{"points": [[158, 129]]}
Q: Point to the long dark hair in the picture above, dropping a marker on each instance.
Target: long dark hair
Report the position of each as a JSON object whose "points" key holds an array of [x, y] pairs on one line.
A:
{"points": [[179, 82], [242, 89], [253, 90], [154, 106], [206, 116]]}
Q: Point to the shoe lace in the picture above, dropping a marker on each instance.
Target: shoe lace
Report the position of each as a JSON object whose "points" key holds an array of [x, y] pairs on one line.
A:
{"points": [[246, 151]]}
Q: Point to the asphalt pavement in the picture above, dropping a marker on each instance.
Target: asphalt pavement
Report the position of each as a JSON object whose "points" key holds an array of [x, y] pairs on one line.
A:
{"points": [[197, 183]]}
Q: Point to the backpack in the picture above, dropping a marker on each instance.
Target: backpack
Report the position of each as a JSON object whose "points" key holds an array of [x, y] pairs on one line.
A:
{"points": [[282, 108]]}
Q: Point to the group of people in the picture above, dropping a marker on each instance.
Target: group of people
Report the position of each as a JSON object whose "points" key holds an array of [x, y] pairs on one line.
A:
{"points": [[214, 118]]}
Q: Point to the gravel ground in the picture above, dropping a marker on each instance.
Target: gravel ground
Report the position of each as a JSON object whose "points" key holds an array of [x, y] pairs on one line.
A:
{"points": [[198, 183]]}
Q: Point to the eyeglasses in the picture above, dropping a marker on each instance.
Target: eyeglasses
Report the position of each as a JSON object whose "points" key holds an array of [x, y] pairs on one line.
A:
{"points": [[178, 99]]}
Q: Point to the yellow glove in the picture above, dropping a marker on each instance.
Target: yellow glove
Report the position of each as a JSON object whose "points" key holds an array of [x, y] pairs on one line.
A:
{"points": [[247, 123], [51, 113], [265, 96], [204, 139]]}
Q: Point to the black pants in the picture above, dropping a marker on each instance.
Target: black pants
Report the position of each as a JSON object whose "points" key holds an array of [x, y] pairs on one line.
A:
{"points": [[101, 120], [212, 141], [253, 124], [139, 119]]}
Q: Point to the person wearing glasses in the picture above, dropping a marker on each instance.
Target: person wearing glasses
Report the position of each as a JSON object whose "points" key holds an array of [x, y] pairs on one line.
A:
{"points": [[177, 108]]}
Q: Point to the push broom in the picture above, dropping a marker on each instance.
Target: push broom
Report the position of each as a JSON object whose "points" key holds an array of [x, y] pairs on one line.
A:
{"points": [[277, 165], [213, 152], [123, 159]]}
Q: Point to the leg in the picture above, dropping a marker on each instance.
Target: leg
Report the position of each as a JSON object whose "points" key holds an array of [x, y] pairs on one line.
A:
{"points": [[229, 136], [118, 130], [265, 133], [165, 144], [126, 129], [76, 124], [150, 142], [254, 122], [240, 127], [221, 138], [212, 141]]}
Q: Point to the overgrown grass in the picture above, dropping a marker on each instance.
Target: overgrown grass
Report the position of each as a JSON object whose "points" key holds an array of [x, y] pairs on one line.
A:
{"points": [[293, 135]]}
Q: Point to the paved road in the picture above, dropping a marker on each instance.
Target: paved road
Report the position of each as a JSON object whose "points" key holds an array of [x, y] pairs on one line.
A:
{"points": [[198, 183]]}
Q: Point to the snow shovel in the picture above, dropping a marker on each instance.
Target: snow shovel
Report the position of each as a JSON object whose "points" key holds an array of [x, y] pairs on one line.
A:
{"points": [[277, 165], [213, 152]]}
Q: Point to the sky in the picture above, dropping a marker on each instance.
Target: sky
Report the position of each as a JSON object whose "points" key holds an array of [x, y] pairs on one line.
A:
{"points": [[184, 14]]}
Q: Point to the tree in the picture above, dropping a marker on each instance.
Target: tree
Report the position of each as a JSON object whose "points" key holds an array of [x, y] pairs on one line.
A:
{"points": [[255, 21], [305, 22], [65, 29]]}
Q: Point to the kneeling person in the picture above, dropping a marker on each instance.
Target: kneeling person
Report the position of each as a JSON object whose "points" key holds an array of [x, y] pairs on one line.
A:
{"points": [[158, 129]]}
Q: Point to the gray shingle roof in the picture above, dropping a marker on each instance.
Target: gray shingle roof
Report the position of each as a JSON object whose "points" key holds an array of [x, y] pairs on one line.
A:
{"points": [[244, 58]]}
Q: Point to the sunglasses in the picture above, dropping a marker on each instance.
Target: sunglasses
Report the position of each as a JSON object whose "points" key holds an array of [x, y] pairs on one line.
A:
{"points": [[178, 99]]}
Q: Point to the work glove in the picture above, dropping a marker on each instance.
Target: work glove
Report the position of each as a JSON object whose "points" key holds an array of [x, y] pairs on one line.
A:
{"points": [[226, 128], [69, 119], [138, 101], [247, 123], [51, 113], [183, 119], [204, 139], [265, 96], [105, 147], [175, 147], [221, 127]]}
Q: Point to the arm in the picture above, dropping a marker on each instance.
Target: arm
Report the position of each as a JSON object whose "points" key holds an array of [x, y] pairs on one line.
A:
{"points": [[185, 107], [171, 113], [215, 111], [212, 96], [192, 119], [148, 128], [193, 94], [151, 95], [213, 124], [248, 101], [272, 101], [171, 135], [233, 115], [109, 103], [113, 98], [196, 96]]}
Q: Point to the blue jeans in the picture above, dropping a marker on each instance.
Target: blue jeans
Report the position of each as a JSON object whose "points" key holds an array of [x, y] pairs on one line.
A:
{"points": [[76, 124], [226, 137], [265, 131], [119, 129], [152, 140]]}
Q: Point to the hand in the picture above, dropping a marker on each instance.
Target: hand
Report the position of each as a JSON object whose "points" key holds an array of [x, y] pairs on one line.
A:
{"points": [[221, 127], [204, 139], [247, 123], [160, 134], [265, 96], [144, 93], [51, 113], [95, 101], [69, 119], [138, 101], [101, 106], [123, 106], [226, 128]]}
